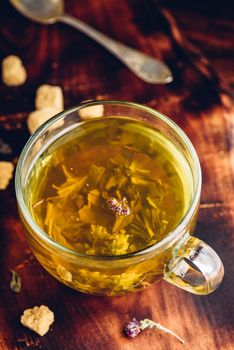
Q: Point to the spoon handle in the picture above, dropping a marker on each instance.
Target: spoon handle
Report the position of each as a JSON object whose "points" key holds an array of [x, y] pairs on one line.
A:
{"points": [[145, 67]]}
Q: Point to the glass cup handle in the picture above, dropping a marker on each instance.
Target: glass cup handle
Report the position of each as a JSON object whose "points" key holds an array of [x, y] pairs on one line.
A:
{"points": [[195, 267]]}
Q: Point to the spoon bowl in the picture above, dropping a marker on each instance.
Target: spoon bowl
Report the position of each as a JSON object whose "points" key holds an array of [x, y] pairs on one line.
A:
{"points": [[41, 11]]}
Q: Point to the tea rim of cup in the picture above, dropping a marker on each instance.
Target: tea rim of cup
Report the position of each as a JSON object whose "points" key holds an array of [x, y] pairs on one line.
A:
{"points": [[169, 237]]}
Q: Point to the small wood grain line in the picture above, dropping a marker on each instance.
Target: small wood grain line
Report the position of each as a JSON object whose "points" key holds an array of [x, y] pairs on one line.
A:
{"points": [[24, 262], [211, 205]]}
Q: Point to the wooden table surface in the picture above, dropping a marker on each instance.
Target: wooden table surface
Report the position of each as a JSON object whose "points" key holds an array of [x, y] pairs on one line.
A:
{"points": [[198, 46]]}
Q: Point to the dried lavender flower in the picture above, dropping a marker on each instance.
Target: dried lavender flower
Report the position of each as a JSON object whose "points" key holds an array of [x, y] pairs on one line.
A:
{"points": [[133, 328], [119, 206]]}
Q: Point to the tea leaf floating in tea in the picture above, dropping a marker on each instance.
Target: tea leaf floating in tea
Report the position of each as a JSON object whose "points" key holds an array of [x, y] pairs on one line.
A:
{"points": [[64, 273], [133, 328], [15, 284]]}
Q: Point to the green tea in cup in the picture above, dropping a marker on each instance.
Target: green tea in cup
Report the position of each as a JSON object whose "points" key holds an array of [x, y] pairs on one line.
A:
{"points": [[88, 173], [106, 195]]}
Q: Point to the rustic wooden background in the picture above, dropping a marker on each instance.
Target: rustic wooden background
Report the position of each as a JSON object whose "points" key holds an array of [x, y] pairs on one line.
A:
{"points": [[182, 33]]}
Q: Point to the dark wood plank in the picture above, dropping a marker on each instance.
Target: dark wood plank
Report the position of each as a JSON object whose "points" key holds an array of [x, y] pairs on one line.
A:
{"points": [[198, 100]]}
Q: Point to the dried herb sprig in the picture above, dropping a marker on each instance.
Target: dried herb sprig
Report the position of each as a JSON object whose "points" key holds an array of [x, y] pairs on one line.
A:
{"points": [[15, 284], [133, 328]]}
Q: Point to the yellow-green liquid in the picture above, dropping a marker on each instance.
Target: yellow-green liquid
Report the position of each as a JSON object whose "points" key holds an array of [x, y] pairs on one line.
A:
{"points": [[72, 181]]}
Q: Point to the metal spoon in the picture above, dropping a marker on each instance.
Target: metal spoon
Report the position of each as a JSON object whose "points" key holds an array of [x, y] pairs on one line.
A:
{"points": [[145, 67]]}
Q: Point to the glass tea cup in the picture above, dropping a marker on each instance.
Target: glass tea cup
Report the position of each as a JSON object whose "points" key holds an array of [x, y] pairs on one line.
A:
{"points": [[179, 258]]}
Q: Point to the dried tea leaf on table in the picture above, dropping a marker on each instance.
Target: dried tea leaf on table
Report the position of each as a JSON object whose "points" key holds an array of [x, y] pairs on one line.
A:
{"points": [[15, 284]]}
